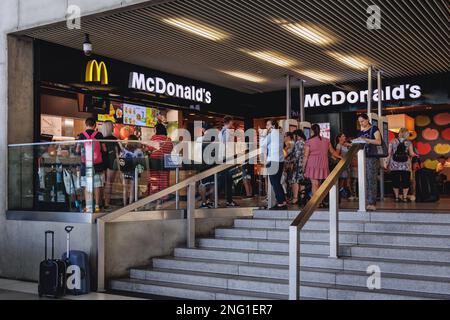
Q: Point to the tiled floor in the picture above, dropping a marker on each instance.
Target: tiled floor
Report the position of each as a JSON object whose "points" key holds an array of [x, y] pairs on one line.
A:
{"points": [[21, 290]]}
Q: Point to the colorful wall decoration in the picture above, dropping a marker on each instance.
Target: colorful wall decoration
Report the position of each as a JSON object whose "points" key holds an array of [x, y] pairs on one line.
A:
{"points": [[432, 137]]}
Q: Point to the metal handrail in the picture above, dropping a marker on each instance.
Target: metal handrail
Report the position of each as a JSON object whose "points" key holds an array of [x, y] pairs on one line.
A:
{"points": [[330, 184], [181, 185]]}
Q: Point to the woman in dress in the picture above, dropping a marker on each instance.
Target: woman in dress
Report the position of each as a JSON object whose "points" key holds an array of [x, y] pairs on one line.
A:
{"points": [[158, 179], [370, 135], [316, 162], [295, 159]]}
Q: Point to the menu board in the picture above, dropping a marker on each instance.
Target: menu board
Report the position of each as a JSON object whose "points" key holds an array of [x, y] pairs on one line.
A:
{"points": [[325, 130], [134, 115]]}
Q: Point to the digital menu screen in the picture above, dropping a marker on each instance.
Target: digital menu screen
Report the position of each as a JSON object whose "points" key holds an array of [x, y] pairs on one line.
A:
{"points": [[134, 115]]}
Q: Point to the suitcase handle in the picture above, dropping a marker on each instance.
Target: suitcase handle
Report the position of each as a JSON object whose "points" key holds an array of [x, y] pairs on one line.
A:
{"points": [[68, 230], [52, 233]]}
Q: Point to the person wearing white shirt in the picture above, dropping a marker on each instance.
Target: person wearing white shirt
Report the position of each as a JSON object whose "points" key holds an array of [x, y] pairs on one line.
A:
{"points": [[273, 142], [226, 151]]}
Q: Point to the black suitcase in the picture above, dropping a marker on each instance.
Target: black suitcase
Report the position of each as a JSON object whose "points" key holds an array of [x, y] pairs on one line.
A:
{"points": [[426, 186], [78, 271], [52, 273]]}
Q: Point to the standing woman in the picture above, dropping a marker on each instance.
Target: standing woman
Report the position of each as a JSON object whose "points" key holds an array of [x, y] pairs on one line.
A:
{"points": [[109, 159], [371, 135], [401, 152], [316, 158], [158, 179], [295, 158]]}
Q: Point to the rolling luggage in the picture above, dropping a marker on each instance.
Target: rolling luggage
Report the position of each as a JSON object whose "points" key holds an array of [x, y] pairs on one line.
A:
{"points": [[78, 273], [52, 273], [426, 186]]}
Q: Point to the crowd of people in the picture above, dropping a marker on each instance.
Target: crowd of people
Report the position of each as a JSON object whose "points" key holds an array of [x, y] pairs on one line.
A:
{"points": [[296, 166]]}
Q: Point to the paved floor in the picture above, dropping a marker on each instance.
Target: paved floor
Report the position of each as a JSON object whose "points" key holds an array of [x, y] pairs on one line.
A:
{"points": [[22, 290]]}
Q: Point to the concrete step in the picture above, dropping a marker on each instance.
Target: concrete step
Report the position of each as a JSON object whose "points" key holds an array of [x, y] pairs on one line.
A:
{"points": [[365, 238], [362, 251], [416, 285], [379, 216], [263, 245], [399, 253], [190, 292], [352, 226], [261, 260]]}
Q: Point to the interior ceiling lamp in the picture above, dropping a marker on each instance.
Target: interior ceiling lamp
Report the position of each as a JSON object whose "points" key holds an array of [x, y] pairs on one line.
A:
{"points": [[398, 121], [306, 31], [272, 57], [245, 76], [353, 61], [318, 75], [197, 28]]}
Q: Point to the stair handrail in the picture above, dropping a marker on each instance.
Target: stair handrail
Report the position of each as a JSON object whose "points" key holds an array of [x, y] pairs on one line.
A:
{"points": [[330, 185]]}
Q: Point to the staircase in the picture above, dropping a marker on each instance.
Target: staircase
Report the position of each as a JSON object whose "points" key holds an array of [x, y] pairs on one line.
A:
{"points": [[250, 261]]}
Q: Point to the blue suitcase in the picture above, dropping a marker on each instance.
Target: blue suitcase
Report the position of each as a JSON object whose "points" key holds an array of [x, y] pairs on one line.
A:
{"points": [[78, 271]]}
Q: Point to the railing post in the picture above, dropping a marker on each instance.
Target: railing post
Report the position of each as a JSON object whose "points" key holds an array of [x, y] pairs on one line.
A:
{"points": [[216, 191], [362, 180], [334, 221], [136, 184], [294, 263], [191, 216], [177, 193], [101, 255]]}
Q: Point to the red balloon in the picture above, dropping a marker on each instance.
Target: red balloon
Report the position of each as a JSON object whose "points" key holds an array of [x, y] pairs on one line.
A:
{"points": [[430, 134]]}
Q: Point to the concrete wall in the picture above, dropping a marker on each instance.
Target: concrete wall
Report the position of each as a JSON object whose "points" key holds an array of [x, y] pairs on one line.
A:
{"points": [[134, 244], [21, 242]]}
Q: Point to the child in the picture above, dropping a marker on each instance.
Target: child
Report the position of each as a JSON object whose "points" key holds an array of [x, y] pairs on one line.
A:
{"points": [[129, 154], [91, 154]]}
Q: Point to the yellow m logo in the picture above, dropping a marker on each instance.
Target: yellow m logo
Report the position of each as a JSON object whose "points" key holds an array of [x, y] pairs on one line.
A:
{"points": [[96, 72]]}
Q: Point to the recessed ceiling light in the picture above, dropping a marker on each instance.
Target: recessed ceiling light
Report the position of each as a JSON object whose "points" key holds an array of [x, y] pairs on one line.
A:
{"points": [[272, 57], [245, 76], [352, 61], [318, 75], [308, 32], [197, 28]]}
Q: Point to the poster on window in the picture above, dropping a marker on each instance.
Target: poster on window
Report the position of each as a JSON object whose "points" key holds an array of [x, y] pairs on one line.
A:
{"points": [[325, 130]]}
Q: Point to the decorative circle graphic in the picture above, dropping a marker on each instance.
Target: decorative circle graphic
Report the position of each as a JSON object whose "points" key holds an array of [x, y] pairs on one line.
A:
{"points": [[430, 134], [442, 119], [412, 136], [423, 121], [423, 148], [442, 149], [446, 134], [430, 164]]}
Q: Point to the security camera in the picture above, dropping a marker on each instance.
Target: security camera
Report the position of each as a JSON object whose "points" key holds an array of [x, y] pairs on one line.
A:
{"points": [[87, 46]]}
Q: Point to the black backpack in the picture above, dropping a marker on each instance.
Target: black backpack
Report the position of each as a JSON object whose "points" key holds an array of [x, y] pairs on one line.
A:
{"points": [[401, 154]]}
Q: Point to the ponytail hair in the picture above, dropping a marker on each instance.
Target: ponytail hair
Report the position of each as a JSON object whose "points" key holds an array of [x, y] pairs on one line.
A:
{"points": [[316, 130]]}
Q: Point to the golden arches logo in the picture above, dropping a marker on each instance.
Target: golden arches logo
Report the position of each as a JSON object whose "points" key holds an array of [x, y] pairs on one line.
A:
{"points": [[96, 72]]}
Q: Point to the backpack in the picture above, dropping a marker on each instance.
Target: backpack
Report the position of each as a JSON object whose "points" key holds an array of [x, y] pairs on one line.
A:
{"points": [[401, 154], [98, 157]]}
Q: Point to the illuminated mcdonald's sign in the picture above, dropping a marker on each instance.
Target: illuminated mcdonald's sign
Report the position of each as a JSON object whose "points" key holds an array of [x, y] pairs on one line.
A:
{"points": [[96, 72]]}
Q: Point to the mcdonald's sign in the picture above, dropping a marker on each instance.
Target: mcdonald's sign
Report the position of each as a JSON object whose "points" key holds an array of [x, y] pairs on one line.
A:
{"points": [[96, 72]]}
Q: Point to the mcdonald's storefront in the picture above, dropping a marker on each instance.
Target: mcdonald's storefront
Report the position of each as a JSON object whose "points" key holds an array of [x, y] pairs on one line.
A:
{"points": [[70, 87]]}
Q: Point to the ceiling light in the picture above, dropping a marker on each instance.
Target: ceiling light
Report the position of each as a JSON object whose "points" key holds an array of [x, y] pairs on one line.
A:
{"points": [[353, 61], [245, 76], [197, 28], [272, 57], [308, 32], [318, 75]]}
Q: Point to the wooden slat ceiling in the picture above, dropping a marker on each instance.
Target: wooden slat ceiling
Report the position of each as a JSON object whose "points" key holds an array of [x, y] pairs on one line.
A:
{"points": [[413, 39]]}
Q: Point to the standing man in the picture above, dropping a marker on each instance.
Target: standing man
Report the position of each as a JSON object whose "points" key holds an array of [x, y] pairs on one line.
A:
{"points": [[226, 139], [273, 142]]}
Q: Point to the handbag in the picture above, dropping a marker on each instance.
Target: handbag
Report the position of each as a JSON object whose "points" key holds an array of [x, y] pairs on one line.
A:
{"points": [[374, 151]]}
